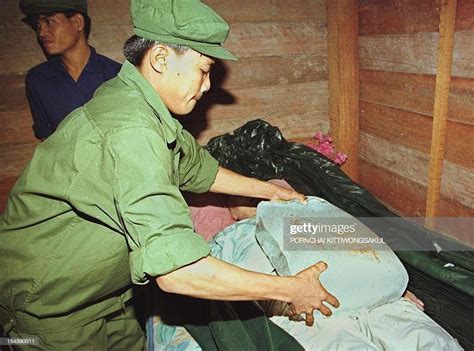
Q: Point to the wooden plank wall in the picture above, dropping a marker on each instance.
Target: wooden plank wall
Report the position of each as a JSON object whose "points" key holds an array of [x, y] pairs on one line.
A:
{"points": [[281, 75], [398, 56]]}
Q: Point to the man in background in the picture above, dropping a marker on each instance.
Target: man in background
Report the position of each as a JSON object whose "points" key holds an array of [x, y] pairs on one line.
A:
{"points": [[73, 71]]}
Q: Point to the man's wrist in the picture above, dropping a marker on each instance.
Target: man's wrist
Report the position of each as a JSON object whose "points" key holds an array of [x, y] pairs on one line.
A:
{"points": [[269, 190], [284, 289]]}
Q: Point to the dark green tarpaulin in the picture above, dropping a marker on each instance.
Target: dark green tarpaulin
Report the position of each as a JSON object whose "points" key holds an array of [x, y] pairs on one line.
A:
{"points": [[223, 325]]}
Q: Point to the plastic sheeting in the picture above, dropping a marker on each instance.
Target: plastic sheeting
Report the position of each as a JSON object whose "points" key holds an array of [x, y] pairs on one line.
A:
{"points": [[258, 149]]}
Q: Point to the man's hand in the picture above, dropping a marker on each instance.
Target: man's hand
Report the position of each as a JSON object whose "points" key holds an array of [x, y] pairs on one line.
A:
{"points": [[231, 183], [310, 294], [242, 207], [285, 194]]}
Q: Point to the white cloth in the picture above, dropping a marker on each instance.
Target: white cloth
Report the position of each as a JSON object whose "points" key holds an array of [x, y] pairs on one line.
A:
{"points": [[395, 326]]}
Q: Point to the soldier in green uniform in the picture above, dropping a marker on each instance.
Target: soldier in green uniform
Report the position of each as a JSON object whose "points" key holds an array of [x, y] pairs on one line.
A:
{"points": [[99, 206]]}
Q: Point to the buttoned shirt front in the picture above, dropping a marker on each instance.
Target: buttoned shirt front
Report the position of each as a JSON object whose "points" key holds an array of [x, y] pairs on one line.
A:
{"points": [[99, 206], [53, 94]]}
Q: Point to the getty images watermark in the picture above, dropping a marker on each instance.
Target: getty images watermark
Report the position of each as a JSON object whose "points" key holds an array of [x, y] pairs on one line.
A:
{"points": [[374, 233], [328, 234]]}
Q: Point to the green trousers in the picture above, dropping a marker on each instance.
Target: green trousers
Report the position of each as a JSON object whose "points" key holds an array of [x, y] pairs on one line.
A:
{"points": [[119, 331]]}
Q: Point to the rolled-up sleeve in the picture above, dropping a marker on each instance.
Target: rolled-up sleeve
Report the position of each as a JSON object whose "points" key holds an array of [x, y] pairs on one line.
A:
{"points": [[197, 168], [152, 211]]}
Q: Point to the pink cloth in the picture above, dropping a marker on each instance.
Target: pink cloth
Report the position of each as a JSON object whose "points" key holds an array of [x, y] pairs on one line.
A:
{"points": [[209, 212]]}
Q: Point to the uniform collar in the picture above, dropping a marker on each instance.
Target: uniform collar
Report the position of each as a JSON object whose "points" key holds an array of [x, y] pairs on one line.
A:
{"points": [[130, 75]]}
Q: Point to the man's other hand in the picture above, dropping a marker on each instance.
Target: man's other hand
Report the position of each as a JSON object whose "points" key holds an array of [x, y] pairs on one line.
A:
{"points": [[310, 294]]}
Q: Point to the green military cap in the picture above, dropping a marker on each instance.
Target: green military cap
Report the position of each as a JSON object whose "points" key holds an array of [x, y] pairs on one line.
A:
{"points": [[181, 22], [35, 7]]}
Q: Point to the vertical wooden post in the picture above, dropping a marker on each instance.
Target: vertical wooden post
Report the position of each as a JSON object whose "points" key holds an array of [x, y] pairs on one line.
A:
{"points": [[440, 112], [343, 65]]}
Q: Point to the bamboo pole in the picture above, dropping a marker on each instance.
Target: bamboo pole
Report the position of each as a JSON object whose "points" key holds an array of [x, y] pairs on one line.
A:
{"points": [[441, 103], [343, 67]]}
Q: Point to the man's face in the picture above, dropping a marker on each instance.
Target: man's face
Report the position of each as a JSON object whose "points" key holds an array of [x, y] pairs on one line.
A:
{"points": [[186, 78], [57, 33]]}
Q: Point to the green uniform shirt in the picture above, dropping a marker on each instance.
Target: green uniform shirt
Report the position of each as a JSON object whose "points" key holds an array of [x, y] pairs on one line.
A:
{"points": [[99, 206]]}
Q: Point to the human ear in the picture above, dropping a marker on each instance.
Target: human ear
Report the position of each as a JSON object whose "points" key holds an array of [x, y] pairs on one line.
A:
{"points": [[79, 22], [158, 56]]}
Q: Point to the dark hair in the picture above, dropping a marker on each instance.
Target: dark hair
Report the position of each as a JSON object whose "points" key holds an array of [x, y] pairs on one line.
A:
{"points": [[136, 47], [32, 20]]}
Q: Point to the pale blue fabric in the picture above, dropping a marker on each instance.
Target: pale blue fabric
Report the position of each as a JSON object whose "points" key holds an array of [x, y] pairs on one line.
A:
{"points": [[361, 279], [237, 244]]}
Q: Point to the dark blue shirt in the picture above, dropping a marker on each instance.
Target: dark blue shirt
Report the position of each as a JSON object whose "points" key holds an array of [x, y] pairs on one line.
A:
{"points": [[53, 94]]}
